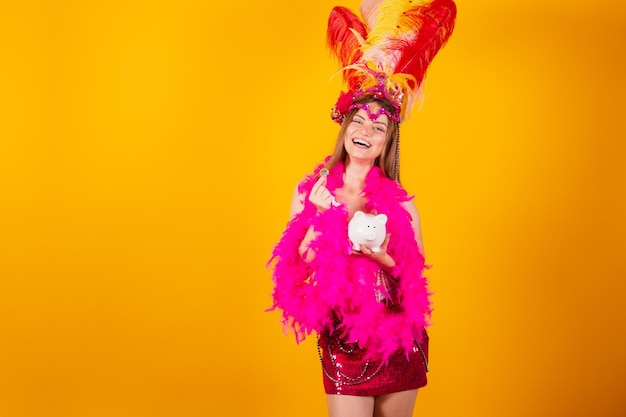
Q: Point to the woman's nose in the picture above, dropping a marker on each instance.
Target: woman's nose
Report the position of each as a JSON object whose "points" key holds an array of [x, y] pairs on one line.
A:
{"points": [[367, 128]]}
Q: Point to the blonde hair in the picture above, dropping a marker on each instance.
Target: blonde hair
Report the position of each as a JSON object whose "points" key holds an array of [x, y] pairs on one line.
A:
{"points": [[388, 161]]}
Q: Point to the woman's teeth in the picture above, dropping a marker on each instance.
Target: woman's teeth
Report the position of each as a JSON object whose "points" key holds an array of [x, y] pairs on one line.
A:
{"points": [[361, 143]]}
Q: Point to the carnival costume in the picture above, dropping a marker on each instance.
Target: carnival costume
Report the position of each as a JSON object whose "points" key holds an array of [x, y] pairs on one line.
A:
{"points": [[370, 321]]}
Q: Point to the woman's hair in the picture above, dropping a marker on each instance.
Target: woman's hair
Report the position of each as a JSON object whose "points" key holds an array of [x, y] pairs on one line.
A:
{"points": [[388, 160]]}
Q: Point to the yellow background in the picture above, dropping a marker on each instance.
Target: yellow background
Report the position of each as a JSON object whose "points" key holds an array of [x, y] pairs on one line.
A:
{"points": [[148, 151]]}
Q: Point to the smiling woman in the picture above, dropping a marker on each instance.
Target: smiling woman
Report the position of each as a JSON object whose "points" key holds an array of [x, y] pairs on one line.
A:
{"points": [[369, 306]]}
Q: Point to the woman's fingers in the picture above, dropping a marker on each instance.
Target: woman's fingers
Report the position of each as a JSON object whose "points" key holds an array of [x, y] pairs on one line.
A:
{"points": [[320, 183], [320, 196]]}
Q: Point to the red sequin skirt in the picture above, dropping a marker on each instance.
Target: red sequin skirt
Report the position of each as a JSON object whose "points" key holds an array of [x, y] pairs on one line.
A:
{"points": [[346, 372]]}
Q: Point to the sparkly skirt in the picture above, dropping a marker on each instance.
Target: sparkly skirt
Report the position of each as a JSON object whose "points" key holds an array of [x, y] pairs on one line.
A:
{"points": [[346, 372]]}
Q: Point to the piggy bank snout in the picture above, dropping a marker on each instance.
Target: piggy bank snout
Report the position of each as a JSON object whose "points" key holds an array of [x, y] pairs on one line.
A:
{"points": [[369, 233]]}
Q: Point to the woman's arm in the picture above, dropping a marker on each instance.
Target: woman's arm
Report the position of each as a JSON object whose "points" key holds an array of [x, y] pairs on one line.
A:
{"points": [[297, 205], [321, 199], [415, 223]]}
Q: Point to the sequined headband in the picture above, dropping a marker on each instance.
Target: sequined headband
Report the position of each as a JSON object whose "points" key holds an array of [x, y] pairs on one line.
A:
{"points": [[347, 101], [374, 116]]}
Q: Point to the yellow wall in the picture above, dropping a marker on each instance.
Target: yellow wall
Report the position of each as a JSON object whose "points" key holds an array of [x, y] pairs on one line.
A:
{"points": [[148, 150]]}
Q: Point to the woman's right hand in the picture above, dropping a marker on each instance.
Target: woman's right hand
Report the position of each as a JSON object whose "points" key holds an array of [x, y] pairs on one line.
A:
{"points": [[320, 196]]}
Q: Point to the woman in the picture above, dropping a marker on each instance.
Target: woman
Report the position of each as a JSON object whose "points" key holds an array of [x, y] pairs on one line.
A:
{"points": [[369, 308]]}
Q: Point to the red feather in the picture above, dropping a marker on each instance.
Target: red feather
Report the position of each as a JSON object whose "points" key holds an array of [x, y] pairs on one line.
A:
{"points": [[341, 40], [433, 25]]}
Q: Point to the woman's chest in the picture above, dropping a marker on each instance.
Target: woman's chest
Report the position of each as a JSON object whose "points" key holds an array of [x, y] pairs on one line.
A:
{"points": [[353, 201]]}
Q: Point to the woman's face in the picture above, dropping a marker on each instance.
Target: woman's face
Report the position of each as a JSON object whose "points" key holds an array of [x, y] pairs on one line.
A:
{"points": [[366, 134]]}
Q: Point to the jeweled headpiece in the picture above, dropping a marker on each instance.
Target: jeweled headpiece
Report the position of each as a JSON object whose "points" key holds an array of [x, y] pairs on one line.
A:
{"points": [[386, 53]]}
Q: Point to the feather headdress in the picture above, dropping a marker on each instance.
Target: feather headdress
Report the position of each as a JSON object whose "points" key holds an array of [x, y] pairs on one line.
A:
{"points": [[387, 52]]}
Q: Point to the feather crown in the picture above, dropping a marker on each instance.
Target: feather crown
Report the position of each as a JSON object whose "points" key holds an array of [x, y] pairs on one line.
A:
{"points": [[387, 52]]}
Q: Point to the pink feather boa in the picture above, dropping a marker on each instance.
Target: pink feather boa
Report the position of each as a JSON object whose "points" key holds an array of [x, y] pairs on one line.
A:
{"points": [[338, 284]]}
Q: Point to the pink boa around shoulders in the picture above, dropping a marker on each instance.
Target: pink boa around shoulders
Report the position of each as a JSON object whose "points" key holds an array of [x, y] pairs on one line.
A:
{"points": [[337, 289]]}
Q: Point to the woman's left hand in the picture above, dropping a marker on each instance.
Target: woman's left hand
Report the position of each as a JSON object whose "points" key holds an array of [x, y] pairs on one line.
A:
{"points": [[382, 257]]}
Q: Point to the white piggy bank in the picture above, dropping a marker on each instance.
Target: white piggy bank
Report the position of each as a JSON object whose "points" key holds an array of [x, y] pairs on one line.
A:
{"points": [[367, 229]]}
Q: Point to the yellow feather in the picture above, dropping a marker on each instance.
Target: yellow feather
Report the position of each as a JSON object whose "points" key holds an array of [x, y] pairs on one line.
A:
{"points": [[382, 17]]}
